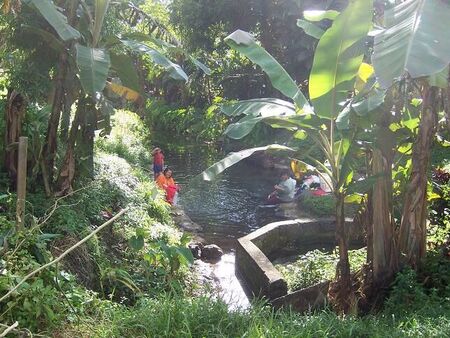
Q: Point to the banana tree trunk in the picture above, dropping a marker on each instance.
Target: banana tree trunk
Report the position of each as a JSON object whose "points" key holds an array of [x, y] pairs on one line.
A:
{"points": [[340, 292], [67, 171], [382, 241], [85, 144], [412, 236], [14, 112], [51, 144]]}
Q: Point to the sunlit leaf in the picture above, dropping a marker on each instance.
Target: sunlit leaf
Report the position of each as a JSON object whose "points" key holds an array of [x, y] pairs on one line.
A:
{"points": [[234, 158], [245, 43], [174, 70], [318, 15], [416, 41], [338, 57], [93, 64]]}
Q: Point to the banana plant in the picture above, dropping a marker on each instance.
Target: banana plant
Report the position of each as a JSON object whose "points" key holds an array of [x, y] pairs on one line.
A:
{"points": [[337, 62], [93, 57]]}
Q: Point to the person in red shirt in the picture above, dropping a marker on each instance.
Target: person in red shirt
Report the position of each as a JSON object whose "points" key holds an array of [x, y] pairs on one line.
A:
{"points": [[158, 162]]}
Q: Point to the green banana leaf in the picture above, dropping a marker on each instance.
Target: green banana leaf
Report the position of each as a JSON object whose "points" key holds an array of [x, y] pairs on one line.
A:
{"points": [[256, 111], [319, 15], [310, 28], [338, 57], [416, 40], [56, 19], [93, 64], [200, 65], [174, 70], [245, 44], [124, 67], [101, 7], [234, 158], [257, 107]]}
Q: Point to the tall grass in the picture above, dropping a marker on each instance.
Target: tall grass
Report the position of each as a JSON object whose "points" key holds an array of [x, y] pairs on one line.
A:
{"points": [[170, 316]]}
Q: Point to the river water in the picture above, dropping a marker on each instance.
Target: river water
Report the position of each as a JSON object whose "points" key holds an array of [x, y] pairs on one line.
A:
{"points": [[227, 208]]}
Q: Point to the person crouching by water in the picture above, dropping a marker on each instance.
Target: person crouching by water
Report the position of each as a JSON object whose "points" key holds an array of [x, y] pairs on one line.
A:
{"points": [[158, 162], [284, 191], [166, 182]]}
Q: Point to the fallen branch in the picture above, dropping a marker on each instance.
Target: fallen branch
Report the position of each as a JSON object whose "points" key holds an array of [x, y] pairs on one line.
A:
{"points": [[9, 329], [65, 253]]}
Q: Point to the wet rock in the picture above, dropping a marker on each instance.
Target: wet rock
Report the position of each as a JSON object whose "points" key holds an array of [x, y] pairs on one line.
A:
{"points": [[211, 252], [182, 220], [196, 249]]}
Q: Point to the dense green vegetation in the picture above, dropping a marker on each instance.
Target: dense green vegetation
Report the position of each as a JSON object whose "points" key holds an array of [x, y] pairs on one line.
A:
{"points": [[88, 82], [317, 266]]}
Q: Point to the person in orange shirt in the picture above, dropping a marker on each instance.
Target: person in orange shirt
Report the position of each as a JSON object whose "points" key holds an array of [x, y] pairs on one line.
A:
{"points": [[166, 182]]}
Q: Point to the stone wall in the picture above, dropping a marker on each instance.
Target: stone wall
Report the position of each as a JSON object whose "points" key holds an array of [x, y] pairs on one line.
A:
{"points": [[255, 251]]}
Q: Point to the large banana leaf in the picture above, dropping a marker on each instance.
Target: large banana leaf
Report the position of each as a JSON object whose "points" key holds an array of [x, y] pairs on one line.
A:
{"points": [[124, 67], [56, 19], [416, 40], [174, 70], [255, 110], [93, 64], [338, 57], [257, 107], [234, 158], [142, 37], [245, 44], [101, 7]]}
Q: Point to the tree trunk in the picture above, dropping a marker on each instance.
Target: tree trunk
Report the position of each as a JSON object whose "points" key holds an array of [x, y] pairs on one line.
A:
{"points": [[412, 236], [57, 101], [67, 172], [340, 292], [85, 145], [382, 242], [51, 145], [14, 112]]}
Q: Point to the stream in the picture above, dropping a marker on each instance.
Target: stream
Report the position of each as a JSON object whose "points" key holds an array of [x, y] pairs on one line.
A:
{"points": [[227, 208]]}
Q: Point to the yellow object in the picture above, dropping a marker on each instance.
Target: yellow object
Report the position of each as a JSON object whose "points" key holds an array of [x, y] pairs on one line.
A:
{"points": [[125, 92]]}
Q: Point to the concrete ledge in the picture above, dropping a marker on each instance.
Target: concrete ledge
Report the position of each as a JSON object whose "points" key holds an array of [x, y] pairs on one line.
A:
{"points": [[255, 251], [257, 272], [311, 298]]}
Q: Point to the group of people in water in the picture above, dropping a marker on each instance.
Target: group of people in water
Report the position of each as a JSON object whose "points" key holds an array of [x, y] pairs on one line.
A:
{"points": [[287, 190], [163, 177]]}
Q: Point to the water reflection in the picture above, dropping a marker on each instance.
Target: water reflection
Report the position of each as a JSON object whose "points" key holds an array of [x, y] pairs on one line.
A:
{"points": [[226, 208]]}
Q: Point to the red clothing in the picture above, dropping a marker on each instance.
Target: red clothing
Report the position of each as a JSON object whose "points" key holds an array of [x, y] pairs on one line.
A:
{"points": [[158, 158], [169, 186]]}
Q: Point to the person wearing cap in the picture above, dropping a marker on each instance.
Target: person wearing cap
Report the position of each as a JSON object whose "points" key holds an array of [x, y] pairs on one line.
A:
{"points": [[158, 162]]}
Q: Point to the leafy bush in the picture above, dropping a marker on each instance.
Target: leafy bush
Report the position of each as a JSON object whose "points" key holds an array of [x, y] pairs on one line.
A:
{"points": [[45, 300], [317, 266], [203, 124], [318, 205], [129, 139]]}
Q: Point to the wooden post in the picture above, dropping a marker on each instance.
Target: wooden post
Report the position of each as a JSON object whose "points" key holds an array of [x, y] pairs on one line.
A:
{"points": [[21, 182]]}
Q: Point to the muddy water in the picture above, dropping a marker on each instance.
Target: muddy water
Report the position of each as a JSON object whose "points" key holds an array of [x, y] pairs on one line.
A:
{"points": [[227, 208]]}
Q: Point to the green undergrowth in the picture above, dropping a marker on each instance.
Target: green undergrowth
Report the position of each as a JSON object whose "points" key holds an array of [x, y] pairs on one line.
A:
{"points": [[316, 266], [205, 124], [140, 255], [203, 317]]}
